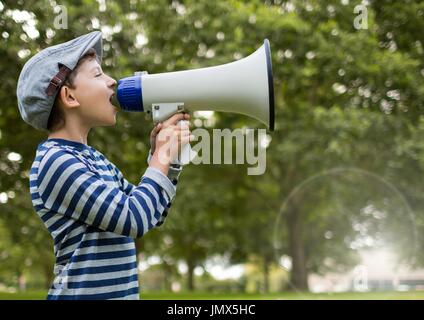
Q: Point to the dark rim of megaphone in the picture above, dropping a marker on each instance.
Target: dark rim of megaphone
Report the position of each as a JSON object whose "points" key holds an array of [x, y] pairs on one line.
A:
{"points": [[270, 85]]}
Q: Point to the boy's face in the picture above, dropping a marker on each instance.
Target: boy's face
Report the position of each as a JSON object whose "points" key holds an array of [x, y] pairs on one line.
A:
{"points": [[93, 89]]}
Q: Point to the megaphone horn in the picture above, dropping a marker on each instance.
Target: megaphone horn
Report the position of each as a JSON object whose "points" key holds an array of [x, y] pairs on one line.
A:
{"points": [[244, 86]]}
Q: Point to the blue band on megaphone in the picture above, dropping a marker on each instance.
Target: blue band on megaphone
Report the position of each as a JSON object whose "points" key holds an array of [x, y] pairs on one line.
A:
{"points": [[129, 94]]}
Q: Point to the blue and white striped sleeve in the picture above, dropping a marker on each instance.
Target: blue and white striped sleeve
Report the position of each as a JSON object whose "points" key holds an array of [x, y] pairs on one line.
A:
{"points": [[67, 186], [126, 186], [173, 175]]}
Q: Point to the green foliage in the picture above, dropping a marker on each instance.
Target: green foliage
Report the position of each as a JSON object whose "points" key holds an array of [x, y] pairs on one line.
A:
{"points": [[344, 98]]}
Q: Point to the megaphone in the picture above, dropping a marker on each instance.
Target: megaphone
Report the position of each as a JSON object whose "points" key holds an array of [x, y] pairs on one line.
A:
{"points": [[244, 86]]}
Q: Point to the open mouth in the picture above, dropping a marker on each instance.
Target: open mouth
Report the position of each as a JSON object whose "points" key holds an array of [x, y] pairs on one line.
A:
{"points": [[113, 102], [111, 98]]}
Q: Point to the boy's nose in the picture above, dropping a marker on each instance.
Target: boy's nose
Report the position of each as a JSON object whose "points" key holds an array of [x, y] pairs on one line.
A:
{"points": [[112, 83]]}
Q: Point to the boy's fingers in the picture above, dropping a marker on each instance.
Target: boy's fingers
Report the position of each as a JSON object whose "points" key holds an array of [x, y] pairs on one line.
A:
{"points": [[174, 119], [184, 125], [184, 130], [178, 128], [187, 139], [156, 129]]}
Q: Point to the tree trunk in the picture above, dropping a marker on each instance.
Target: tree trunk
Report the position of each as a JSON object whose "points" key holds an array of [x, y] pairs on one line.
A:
{"points": [[167, 276], [21, 281], [266, 274], [48, 276], [190, 275], [298, 275], [138, 248]]}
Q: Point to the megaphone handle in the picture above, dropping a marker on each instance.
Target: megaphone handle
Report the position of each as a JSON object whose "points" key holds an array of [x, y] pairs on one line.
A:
{"points": [[186, 154]]}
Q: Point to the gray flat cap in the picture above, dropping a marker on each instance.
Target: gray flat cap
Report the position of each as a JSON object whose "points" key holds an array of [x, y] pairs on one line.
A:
{"points": [[43, 74]]}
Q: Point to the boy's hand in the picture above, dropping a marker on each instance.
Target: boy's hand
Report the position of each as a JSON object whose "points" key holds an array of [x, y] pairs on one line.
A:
{"points": [[166, 140], [153, 135], [159, 126]]}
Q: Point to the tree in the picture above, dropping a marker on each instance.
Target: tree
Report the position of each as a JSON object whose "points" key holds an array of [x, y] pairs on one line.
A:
{"points": [[344, 98]]}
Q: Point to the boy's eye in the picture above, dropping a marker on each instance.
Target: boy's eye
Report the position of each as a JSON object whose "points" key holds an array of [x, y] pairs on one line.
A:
{"points": [[98, 75]]}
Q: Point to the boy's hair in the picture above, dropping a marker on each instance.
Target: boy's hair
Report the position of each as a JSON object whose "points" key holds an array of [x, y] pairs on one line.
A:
{"points": [[57, 117]]}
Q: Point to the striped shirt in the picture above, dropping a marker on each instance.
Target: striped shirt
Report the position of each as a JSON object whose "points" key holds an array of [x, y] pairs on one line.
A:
{"points": [[93, 214]]}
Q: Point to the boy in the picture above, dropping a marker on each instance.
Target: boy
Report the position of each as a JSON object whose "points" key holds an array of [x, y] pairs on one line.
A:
{"points": [[92, 212]]}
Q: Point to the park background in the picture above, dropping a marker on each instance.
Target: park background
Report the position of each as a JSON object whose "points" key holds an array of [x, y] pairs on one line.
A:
{"points": [[339, 212]]}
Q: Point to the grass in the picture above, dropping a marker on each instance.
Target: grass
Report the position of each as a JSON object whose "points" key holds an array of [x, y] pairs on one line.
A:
{"points": [[411, 295]]}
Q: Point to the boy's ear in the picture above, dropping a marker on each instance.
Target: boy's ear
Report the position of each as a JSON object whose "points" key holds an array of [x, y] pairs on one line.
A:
{"points": [[68, 98]]}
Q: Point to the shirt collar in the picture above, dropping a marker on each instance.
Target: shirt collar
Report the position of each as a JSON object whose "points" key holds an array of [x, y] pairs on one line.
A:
{"points": [[77, 145]]}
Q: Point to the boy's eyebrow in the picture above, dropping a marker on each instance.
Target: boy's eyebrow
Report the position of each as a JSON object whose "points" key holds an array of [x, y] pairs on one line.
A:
{"points": [[96, 68]]}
